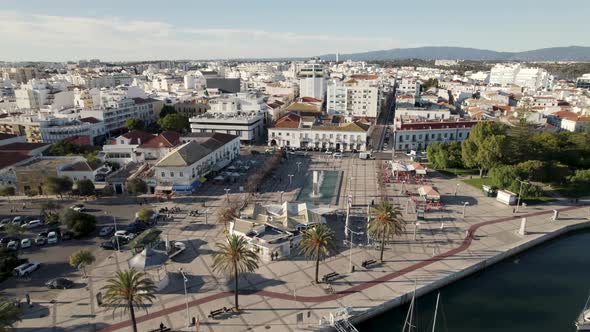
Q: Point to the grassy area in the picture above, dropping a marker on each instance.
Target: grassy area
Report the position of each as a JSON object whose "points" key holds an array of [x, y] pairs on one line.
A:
{"points": [[455, 171], [479, 182], [572, 191]]}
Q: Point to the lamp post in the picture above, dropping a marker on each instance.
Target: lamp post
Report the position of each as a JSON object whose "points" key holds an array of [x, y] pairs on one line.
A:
{"points": [[298, 166], [205, 212], [416, 229], [281, 201], [456, 188], [227, 190], [290, 179], [352, 232], [519, 193], [464, 206], [184, 279]]}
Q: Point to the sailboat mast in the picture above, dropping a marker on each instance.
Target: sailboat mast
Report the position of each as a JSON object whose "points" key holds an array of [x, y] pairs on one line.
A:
{"points": [[435, 312]]}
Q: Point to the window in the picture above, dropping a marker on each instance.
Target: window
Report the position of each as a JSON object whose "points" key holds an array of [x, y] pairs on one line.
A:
{"points": [[171, 174], [181, 175]]}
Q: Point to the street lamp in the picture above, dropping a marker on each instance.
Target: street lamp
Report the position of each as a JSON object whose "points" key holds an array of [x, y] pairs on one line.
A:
{"points": [[298, 166], [457, 187], [416, 229], [519, 193], [356, 233], [116, 237], [206, 211], [227, 190], [290, 179], [464, 206], [184, 279], [281, 201]]}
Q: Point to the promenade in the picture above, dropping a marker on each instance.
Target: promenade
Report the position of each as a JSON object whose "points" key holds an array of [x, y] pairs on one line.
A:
{"points": [[273, 298]]}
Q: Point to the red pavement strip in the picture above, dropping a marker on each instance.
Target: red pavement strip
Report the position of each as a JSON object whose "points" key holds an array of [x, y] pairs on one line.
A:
{"points": [[331, 297]]}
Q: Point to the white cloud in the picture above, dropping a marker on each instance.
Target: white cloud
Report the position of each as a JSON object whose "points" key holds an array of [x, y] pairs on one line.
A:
{"points": [[58, 38]]}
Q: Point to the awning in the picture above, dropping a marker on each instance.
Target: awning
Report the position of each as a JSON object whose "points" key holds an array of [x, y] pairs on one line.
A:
{"points": [[163, 188], [202, 180]]}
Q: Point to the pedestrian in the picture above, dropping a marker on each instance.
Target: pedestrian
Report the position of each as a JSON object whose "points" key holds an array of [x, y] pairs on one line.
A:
{"points": [[162, 326], [24, 206]]}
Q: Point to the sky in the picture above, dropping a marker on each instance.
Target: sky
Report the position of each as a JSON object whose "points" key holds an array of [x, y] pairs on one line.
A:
{"points": [[122, 30]]}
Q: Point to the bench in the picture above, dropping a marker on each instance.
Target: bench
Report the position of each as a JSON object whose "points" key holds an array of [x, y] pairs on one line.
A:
{"points": [[366, 264], [331, 275], [215, 313]]}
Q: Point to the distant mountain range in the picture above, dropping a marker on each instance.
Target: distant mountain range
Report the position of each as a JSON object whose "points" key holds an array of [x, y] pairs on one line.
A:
{"points": [[571, 53]]}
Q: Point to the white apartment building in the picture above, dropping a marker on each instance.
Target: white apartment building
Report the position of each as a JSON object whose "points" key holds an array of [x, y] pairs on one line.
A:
{"points": [[417, 133], [294, 131], [354, 98], [409, 85], [249, 126], [116, 108], [32, 95], [516, 74], [425, 113], [312, 81]]}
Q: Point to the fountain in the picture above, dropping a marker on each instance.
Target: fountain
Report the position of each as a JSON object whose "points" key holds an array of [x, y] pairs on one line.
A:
{"points": [[318, 179]]}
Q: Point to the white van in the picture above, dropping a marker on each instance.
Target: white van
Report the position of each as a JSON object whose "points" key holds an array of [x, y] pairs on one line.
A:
{"points": [[25, 269], [52, 238]]}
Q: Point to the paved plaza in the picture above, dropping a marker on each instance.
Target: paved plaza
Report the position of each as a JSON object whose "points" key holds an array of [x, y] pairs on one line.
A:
{"points": [[279, 292]]}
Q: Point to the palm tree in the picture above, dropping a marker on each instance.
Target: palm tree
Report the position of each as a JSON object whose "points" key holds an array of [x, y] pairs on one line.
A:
{"points": [[234, 257], [9, 314], [317, 243], [82, 258], [129, 289], [386, 223]]}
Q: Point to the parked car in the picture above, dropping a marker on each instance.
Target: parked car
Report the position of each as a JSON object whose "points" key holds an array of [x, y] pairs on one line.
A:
{"points": [[125, 234], [4, 222], [17, 220], [67, 235], [24, 269], [33, 224], [41, 239], [59, 283], [13, 245], [108, 245], [106, 231], [52, 237], [6, 240], [78, 207], [337, 155], [26, 243]]}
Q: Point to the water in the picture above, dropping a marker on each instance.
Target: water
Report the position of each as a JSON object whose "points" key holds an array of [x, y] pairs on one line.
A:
{"points": [[327, 190], [542, 290]]}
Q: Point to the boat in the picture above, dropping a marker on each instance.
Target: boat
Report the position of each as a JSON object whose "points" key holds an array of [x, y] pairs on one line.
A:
{"points": [[583, 321]]}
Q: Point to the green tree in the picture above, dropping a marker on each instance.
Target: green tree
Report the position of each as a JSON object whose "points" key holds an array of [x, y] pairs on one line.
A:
{"points": [[78, 222], [129, 290], [134, 123], [7, 191], [144, 214], [85, 187], [49, 211], [445, 155], [174, 122], [13, 229], [430, 83], [54, 185], [317, 243], [234, 257], [9, 314], [166, 110], [107, 190], [136, 186], [386, 223], [474, 149], [81, 259]]}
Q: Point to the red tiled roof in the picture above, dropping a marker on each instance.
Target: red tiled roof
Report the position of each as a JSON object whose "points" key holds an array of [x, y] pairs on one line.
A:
{"points": [[90, 119], [566, 115], [138, 136], [78, 140], [290, 120], [310, 100], [364, 77], [10, 158], [437, 125], [167, 139]]}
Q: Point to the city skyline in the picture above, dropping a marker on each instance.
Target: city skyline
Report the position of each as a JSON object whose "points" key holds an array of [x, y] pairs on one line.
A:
{"points": [[61, 31]]}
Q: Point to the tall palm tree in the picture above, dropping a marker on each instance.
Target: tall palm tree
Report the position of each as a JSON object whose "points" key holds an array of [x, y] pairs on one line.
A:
{"points": [[129, 289], [9, 314], [234, 257], [386, 223], [317, 243]]}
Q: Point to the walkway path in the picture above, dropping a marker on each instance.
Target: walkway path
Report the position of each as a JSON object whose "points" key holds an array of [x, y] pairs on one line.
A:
{"points": [[467, 241]]}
